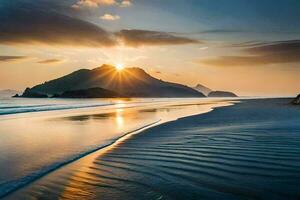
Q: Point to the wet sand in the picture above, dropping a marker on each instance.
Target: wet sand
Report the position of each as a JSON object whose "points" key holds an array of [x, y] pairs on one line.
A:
{"points": [[247, 151], [34, 144]]}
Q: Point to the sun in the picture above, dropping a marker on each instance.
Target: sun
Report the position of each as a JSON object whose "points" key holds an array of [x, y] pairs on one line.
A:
{"points": [[119, 66]]}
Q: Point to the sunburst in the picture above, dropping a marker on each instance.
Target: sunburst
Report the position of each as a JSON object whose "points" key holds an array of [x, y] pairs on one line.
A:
{"points": [[119, 66]]}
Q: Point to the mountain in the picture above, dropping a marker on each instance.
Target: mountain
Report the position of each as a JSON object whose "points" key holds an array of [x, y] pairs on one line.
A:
{"points": [[8, 93], [203, 89], [88, 93], [130, 82], [28, 93], [221, 94], [296, 101]]}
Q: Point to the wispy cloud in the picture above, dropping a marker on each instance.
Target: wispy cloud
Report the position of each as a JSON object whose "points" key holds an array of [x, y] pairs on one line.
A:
{"points": [[110, 17], [137, 38], [221, 31], [260, 54], [50, 61], [97, 3], [12, 58]]}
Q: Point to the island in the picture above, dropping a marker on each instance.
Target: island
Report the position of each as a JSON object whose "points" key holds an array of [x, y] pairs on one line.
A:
{"points": [[203, 89], [296, 101], [108, 81], [221, 94]]}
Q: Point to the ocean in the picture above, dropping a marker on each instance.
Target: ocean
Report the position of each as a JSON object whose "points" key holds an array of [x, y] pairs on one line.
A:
{"points": [[154, 149], [39, 136]]}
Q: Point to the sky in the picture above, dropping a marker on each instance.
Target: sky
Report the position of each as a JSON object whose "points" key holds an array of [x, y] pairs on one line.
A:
{"points": [[250, 47]]}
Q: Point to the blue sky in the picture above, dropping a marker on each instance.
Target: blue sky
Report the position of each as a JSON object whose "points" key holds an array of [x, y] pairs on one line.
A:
{"points": [[188, 41], [280, 17]]}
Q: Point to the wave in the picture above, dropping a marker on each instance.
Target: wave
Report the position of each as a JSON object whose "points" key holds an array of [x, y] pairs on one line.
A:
{"points": [[8, 108], [38, 108]]}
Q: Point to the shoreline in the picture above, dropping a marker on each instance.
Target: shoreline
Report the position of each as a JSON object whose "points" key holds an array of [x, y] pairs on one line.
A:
{"points": [[111, 105], [27, 181], [215, 155], [34, 178]]}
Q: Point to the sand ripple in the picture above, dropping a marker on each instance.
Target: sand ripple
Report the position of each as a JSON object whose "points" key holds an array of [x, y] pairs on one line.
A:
{"points": [[247, 151]]}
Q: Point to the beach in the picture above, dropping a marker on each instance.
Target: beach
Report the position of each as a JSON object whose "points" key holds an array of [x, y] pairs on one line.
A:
{"points": [[249, 150], [38, 137], [149, 100]]}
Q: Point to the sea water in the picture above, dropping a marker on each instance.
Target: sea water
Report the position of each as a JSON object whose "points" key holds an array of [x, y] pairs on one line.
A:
{"points": [[38, 136]]}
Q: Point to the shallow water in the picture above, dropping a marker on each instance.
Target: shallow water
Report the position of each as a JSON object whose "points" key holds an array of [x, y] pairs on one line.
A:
{"points": [[34, 143], [247, 151]]}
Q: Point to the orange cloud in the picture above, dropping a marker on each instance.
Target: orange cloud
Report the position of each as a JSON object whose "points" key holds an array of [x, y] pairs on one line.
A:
{"points": [[110, 17], [125, 3], [93, 3], [96, 3]]}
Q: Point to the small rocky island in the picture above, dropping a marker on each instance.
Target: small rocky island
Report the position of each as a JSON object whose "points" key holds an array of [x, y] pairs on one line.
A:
{"points": [[221, 94], [296, 101], [203, 89]]}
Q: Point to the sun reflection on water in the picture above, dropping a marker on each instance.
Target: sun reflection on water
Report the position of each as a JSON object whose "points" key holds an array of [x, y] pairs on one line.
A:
{"points": [[119, 118]]}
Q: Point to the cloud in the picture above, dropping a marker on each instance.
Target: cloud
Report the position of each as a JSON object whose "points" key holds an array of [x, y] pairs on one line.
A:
{"points": [[110, 17], [291, 47], [50, 61], [260, 54], [233, 61], [93, 3], [97, 3], [33, 26], [125, 3], [137, 38], [203, 48], [12, 58], [221, 31]]}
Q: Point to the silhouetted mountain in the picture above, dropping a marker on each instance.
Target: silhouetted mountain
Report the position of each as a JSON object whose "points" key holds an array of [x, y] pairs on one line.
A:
{"points": [[130, 82], [221, 94], [8, 93], [296, 101], [89, 93], [203, 89], [32, 94]]}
